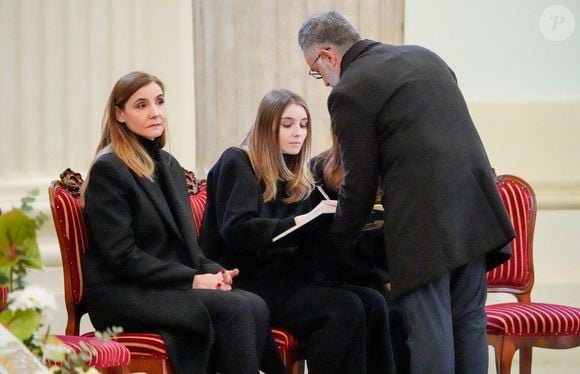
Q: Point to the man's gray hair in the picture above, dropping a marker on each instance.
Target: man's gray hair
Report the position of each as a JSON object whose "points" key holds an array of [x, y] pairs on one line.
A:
{"points": [[328, 28]]}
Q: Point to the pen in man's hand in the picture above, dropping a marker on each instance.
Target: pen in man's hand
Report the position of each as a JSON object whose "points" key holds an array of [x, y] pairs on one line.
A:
{"points": [[323, 193]]}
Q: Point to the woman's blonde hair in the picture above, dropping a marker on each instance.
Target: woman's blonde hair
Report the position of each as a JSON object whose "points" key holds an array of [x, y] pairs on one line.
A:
{"points": [[116, 135], [263, 147]]}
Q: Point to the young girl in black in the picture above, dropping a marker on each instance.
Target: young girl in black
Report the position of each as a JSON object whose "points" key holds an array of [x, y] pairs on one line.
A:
{"points": [[257, 192]]}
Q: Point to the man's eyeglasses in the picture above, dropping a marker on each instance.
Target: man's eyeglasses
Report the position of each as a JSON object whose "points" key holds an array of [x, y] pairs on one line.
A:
{"points": [[313, 73]]}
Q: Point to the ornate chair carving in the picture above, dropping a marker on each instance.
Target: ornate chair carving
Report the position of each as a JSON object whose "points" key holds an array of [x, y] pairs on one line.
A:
{"points": [[524, 324], [148, 351]]}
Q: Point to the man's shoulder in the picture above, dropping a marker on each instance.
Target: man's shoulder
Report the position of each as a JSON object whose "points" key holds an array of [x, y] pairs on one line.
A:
{"points": [[398, 48], [384, 56], [380, 69]]}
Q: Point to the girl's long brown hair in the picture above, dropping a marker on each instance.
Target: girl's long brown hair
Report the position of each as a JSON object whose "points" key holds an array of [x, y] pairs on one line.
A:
{"points": [[263, 147], [332, 170]]}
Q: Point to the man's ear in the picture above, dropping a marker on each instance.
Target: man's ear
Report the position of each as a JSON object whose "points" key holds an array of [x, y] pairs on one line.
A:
{"points": [[119, 115], [332, 56]]}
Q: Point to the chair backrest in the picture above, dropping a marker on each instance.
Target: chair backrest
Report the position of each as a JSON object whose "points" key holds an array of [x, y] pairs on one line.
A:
{"points": [[516, 276], [197, 191], [67, 214], [69, 222]]}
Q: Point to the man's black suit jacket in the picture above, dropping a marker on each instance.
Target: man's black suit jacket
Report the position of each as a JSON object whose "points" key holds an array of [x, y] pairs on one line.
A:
{"points": [[401, 119]]}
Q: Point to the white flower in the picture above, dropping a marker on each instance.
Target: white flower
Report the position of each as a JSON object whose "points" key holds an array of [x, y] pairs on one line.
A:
{"points": [[56, 352], [31, 297]]}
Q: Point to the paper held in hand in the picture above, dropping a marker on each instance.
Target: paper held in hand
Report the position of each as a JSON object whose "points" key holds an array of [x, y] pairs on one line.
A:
{"points": [[308, 217], [322, 208]]}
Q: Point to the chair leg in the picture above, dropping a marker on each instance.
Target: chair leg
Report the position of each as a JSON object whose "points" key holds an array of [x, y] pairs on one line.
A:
{"points": [[525, 360], [298, 367], [504, 349]]}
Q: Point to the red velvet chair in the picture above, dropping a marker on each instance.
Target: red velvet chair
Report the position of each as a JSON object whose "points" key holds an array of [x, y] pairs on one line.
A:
{"points": [[148, 351], [524, 324], [291, 350]]}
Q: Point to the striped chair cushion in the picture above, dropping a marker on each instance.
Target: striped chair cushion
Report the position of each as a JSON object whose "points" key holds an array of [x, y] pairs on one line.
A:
{"points": [[141, 345], [532, 319], [284, 338], [197, 202], [104, 354], [515, 272]]}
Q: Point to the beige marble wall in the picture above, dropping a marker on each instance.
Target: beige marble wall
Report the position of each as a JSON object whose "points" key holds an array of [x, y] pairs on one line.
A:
{"points": [[245, 48]]}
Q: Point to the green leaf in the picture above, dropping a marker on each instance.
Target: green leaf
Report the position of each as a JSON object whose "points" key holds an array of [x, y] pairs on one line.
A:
{"points": [[17, 230], [27, 200], [8, 257], [4, 276], [22, 323]]}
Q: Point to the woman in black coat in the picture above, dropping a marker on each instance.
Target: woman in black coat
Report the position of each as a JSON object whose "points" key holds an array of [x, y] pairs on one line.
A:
{"points": [[144, 270], [256, 193]]}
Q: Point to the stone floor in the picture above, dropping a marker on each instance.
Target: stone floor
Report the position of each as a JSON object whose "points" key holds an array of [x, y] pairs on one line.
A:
{"points": [[546, 361]]}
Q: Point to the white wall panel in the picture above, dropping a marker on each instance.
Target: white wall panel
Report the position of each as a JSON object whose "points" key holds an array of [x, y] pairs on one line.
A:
{"points": [[59, 60]]}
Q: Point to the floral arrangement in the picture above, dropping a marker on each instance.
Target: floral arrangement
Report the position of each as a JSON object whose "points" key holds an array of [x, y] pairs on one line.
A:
{"points": [[27, 307], [18, 245], [19, 251]]}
